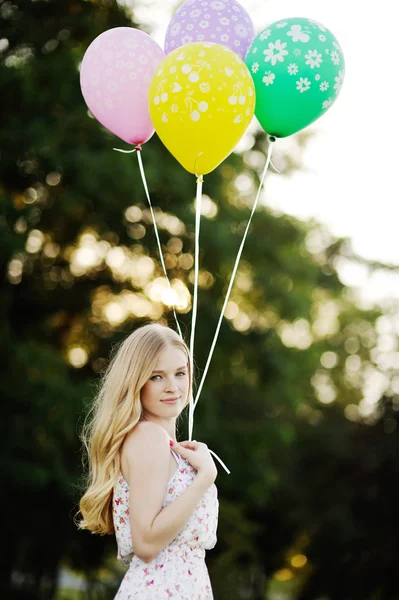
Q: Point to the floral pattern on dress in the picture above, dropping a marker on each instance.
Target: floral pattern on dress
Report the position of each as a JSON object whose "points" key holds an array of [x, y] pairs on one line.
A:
{"points": [[179, 571]]}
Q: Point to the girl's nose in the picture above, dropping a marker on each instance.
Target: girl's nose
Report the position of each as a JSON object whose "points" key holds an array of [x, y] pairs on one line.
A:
{"points": [[171, 385]]}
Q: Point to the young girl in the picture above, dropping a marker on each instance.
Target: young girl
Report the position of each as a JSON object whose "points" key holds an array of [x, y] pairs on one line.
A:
{"points": [[158, 496]]}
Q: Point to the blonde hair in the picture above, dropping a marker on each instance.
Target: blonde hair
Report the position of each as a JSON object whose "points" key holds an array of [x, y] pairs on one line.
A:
{"points": [[115, 412]]}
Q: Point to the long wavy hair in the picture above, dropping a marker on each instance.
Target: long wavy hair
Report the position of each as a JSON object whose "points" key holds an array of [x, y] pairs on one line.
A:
{"points": [[115, 412]]}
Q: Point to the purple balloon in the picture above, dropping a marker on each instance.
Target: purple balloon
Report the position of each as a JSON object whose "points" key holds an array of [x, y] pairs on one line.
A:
{"points": [[223, 22]]}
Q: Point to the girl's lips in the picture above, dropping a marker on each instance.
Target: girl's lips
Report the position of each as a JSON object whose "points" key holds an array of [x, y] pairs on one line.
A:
{"points": [[171, 400]]}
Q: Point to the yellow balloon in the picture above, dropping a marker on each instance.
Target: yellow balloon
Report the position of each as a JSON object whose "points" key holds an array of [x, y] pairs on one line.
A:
{"points": [[202, 99]]}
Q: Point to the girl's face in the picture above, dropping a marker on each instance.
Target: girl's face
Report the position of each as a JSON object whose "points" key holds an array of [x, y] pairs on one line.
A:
{"points": [[168, 381]]}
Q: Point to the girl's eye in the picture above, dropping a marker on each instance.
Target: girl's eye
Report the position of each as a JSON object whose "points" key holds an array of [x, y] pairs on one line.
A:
{"points": [[157, 377]]}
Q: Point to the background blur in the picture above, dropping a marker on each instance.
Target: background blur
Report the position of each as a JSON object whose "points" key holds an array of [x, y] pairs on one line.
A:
{"points": [[301, 401]]}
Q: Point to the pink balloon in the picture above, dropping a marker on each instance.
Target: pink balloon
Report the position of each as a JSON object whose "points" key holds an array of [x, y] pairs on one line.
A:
{"points": [[115, 77]]}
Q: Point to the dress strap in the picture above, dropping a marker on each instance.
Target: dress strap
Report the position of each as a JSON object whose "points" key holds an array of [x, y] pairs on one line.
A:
{"points": [[175, 455]]}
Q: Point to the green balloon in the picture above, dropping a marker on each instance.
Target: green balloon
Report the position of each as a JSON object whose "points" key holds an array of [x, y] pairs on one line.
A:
{"points": [[298, 69]]}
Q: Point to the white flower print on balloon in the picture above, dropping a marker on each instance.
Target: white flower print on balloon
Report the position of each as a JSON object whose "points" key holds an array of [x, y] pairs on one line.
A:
{"points": [[327, 103], [303, 84], [281, 25], [324, 86], [174, 108], [204, 24], [187, 39], [335, 57], [255, 67], [317, 77], [224, 37], [322, 37], [297, 52], [205, 87], [130, 43], [234, 18], [190, 27], [339, 80], [292, 69], [176, 28], [241, 30], [224, 21], [237, 43], [197, 12], [313, 59], [200, 37], [297, 34], [268, 78], [218, 5], [275, 52], [264, 35]]}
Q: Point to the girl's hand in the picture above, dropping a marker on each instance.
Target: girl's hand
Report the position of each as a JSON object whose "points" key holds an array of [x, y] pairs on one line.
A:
{"points": [[198, 456]]}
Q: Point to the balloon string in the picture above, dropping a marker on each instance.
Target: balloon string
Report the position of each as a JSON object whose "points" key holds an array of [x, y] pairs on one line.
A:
{"points": [[220, 460], [200, 181], [138, 148], [156, 232], [124, 151], [269, 153], [195, 296]]}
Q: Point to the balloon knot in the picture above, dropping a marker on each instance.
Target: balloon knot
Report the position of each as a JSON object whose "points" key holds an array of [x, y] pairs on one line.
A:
{"points": [[272, 138], [200, 179], [138, 148]]}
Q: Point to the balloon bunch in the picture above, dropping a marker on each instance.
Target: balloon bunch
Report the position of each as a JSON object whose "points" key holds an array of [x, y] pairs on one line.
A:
{"points": [[201, 92]]}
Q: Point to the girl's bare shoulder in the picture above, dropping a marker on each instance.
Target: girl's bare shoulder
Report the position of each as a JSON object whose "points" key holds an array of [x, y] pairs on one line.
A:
{"points": [[145, 435]]}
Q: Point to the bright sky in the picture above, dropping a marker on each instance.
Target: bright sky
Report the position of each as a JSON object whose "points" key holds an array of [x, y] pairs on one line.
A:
{"points": [[350, 181]]}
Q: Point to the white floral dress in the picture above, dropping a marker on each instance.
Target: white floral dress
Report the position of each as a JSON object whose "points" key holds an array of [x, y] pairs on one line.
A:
{"points": [[179, 571]]}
